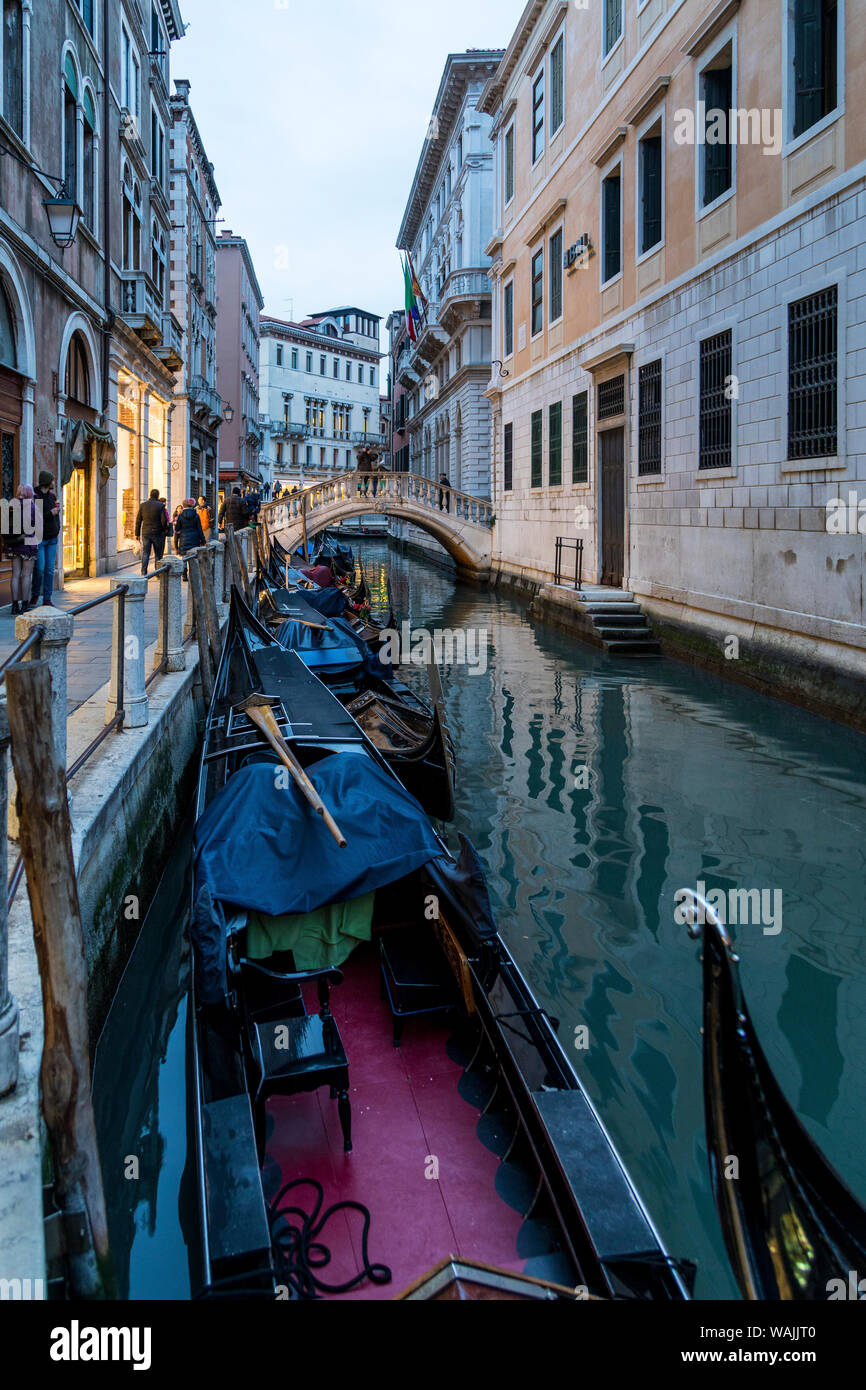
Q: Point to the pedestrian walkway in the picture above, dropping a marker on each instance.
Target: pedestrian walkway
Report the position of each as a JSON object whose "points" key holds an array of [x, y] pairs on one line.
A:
{"points": [[88, 656]]}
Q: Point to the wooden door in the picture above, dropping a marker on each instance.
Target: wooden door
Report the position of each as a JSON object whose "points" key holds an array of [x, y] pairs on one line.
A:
{"points": [[612, 452]]}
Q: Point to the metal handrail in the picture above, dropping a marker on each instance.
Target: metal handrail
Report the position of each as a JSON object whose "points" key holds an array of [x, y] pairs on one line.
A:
{"points": [[564, 543], [33, 640]]}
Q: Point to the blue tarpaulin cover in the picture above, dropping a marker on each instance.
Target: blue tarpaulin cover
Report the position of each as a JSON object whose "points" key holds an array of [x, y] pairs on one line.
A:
{"points": [[261, 847], [330, 603]]}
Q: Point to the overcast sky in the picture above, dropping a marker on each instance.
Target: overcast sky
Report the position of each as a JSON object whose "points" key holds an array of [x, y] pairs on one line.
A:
{"points": [[313, 113]]}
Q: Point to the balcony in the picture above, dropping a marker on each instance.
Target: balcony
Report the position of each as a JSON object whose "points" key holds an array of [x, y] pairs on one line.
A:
{"points": [[463, 296], [141, 307], [205, 401], [374, 440], [288, 429]]}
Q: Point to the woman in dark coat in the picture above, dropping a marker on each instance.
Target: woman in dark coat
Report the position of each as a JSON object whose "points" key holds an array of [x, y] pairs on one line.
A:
{"points": [[188, 533]]}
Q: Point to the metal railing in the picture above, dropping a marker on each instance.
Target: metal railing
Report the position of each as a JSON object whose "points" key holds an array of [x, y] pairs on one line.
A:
{"points": [[117, 722], [563, 543]]}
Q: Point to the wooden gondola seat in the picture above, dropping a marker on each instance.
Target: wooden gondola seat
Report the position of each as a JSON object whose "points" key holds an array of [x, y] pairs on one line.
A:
{"points": [[415, 975], [294, 1051]]}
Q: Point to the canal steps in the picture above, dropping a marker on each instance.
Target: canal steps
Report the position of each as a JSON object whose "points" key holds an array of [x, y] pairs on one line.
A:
{"points": [[605, 617]]}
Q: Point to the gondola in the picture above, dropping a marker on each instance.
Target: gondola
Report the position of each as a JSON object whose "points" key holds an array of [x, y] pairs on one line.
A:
{"points": [[395, 1155], [792, 1229], [280, 558]]}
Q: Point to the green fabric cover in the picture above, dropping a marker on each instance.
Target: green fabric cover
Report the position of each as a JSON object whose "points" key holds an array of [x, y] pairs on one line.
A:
{"points": [[326, 937]]}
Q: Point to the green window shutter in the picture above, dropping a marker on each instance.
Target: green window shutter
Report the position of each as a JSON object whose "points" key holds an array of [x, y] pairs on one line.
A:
{"points": [[555, 446], [651, 191], [508, 459], [808, 65], [579, 449], [537, 448], [717, 88], [611, 212], [71, 75]]}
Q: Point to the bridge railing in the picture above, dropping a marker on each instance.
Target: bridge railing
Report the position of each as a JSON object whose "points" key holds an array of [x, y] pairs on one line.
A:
{"points": [[376, 491]]}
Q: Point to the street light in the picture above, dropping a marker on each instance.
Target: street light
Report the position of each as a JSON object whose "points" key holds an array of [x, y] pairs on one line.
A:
{"points": [[229, 414], [64, 215]]}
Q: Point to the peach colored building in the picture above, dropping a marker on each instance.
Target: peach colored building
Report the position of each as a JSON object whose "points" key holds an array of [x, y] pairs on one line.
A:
{"points": [[679, 303]]}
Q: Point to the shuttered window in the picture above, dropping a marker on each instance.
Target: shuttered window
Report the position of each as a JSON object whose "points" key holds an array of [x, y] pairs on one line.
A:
{"points": [[536, 479], [612, 23], [717, 91], [557, 85], [508, 459], [556, 276], [815, 48], [579, 438], [715, 402], [650, 192], [611, 195], [537, 292], [649, 414], [813, 368], [538, 116], [508, 319], [554, 447], [509, 164]]}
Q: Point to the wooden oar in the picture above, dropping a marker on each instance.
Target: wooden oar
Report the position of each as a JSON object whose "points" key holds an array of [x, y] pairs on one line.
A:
{"points": [[258, 708]]}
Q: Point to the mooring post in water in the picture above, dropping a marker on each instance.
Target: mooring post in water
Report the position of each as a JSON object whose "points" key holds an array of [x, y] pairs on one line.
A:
{"points": [[169, 642], [194, 572], [8, 1009], [219, 574], [203, 559], [46, 847], [57, 632], [128, 630]]}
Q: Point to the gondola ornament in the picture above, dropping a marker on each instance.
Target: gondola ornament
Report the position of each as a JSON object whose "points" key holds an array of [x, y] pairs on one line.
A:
{"points": [[792, 1228]]}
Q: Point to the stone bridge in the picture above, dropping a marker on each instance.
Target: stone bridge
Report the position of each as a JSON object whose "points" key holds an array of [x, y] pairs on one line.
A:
{"points": [[463, 525]]}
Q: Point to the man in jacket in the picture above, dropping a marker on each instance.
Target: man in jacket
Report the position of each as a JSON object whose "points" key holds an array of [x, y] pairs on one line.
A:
{"points": [[188, 534], [46, 555], [234, 511], [151, 529]]}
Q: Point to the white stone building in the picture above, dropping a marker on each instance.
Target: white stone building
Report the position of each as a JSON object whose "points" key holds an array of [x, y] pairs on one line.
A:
{"points": [[319, 394]]}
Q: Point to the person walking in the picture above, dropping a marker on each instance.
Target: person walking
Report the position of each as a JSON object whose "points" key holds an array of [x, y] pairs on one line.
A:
{"points": [[151, 529], [20, 546], [46, 552], [444, 496], [188, 533], [234, 511], [204, 517]]}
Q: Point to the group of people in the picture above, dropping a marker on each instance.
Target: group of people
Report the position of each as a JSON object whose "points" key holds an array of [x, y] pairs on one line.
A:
{"points": [[32, 551], [191, 525]]}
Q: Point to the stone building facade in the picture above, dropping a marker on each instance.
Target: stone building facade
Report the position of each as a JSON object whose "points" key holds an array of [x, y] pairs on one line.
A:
{"points": [[240, 304], [680, 306], [195, 203]]}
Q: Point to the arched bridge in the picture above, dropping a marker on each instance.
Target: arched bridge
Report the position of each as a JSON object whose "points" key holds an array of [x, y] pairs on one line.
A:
{"points": [[462, 524]]}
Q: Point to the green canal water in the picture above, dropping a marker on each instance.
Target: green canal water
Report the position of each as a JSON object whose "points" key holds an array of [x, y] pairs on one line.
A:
{"points": [[594, 790]]}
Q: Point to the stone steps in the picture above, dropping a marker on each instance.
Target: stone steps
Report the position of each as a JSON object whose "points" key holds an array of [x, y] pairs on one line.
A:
{"points": [[619, 622]]}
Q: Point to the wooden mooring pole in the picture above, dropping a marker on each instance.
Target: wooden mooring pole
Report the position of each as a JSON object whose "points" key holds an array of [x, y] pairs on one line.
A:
{"points": [[205, 661], [46, 847]]}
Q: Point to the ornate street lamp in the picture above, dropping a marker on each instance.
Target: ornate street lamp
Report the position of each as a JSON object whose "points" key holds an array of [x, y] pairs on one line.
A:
{"points": [[229, 414], [64, 215]]}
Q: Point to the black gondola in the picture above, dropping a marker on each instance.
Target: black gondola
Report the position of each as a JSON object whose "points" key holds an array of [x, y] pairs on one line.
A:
{"points": [[258, 841], [792, 1228]]}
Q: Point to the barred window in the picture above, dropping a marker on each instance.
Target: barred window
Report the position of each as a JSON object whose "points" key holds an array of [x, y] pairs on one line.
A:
{"points": [[649, 417], [715, 402], [508, 459], [611, 398], [813, 375], [554, 447], [537, 448], [579, 438]]}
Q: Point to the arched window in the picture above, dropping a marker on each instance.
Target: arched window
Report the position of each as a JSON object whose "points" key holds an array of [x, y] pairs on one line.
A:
{"points": [[70, 127], [131, 222], [8, 335], [77, 386], [88, 200], [13, 65], [157, 258]]}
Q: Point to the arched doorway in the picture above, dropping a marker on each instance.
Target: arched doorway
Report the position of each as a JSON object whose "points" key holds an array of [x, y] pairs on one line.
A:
{"points": [[11, 413], [77, 481]]}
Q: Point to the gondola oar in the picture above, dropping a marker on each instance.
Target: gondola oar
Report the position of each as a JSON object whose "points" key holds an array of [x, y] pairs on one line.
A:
{"points": [[258, 709]]}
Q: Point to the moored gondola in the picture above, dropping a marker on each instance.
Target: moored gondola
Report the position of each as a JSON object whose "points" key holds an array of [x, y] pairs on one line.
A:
{"points": [[792, 1228], [407, 933]]}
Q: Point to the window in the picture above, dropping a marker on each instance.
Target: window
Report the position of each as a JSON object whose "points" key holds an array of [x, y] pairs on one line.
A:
{"points": [[70, 128], [611, 398], [85, 9], [538, 117], [309, 361], [348, 371], [715, 402], [509, 164], [372, 376], [279, 356], [130, 77], [77, 383], [158, 260], [336, 368], [537, 448], [554, 446], [131, 223], [508, 319], [323, 366], [816, 40], [579, 438], [717, 149], [8, 335], [88, 173], [650, 191], [309, 455], [612, 24], [157, 149], [158, 45], [556, 276], [611, 228], [508, 459], [537, 292], [649, 419], [812, 375], [13, 66], [294, 359], [557, 85]]}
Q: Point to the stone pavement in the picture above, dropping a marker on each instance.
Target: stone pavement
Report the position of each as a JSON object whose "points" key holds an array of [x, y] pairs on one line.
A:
{"points": [[88, 655]]}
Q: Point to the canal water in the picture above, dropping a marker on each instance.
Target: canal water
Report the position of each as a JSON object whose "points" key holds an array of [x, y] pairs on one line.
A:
{"points": [[593, 789]]}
